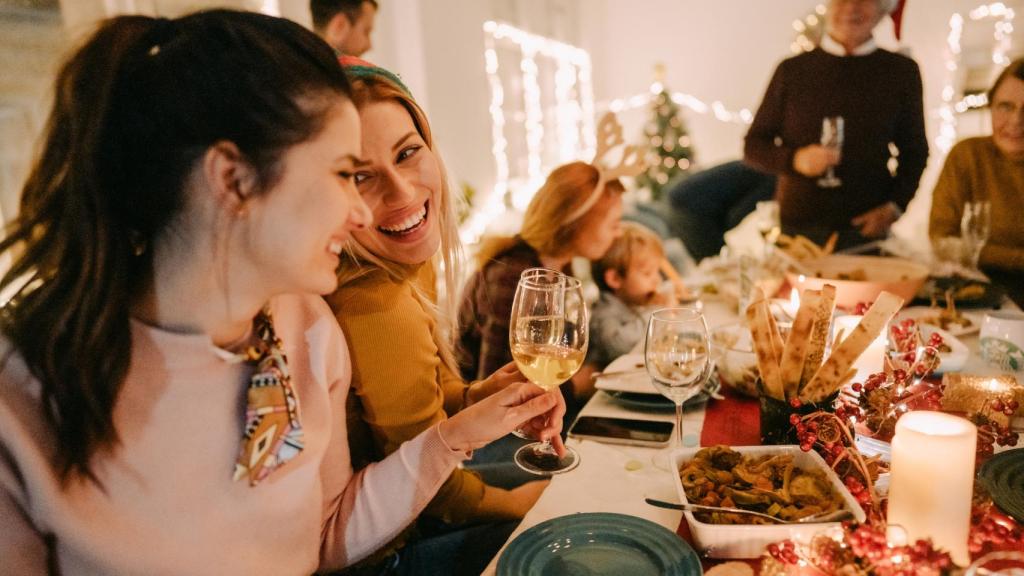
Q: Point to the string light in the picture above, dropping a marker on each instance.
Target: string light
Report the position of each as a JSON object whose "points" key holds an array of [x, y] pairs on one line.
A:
{"points": [[949, 109], [717, 108], [573, 118]]}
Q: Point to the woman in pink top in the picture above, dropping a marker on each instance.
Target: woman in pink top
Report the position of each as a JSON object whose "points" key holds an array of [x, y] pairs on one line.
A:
{"points": [[172, 389]]}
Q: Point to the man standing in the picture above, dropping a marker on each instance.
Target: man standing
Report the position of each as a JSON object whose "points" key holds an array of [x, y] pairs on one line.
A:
{"points": [[878, 95], [345, 24]]}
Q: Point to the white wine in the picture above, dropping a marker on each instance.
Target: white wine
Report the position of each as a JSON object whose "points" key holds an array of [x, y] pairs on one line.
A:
{"points": [[547, 365]]}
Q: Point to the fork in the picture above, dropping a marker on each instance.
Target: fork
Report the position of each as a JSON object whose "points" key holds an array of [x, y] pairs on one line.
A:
{"points": [[833, 516]]}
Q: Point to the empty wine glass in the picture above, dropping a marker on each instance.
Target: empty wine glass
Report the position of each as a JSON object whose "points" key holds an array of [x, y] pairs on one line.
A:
{"points": [[975, 225], [677, 356], [548, 337], [831, 137]]}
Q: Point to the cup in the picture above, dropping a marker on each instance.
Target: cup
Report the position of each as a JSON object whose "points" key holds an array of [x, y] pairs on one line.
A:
{"points": [[1002, 340], [775, 425]]}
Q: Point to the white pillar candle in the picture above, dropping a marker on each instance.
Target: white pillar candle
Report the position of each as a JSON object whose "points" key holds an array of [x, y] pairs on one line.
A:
{"points": [[873, 358], [933, 479]]}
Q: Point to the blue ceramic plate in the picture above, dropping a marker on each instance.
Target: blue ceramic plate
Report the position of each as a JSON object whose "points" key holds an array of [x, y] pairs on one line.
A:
{"points": [[598, 544], [1003, 476]]}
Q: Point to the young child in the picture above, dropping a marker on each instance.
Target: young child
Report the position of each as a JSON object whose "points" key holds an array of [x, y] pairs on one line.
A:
{"points": [[630, 277]]}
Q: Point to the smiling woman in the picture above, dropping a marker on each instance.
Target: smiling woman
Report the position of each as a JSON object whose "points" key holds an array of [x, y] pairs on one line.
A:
{"points": [[990, 168], [404, 376]]}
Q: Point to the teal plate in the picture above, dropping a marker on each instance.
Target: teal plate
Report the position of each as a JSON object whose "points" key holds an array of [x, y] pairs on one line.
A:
{"points": [[1003, 477], [598, 544]]}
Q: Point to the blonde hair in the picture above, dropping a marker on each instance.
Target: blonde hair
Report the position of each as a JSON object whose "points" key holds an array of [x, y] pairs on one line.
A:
{"points": [[360, 261], [566, 188], [635, 239]]}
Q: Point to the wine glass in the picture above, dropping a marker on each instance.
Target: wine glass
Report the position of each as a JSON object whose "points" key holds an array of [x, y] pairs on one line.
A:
{"points": [[677, 356], [831, 137], [548, 338], [975, 225]]}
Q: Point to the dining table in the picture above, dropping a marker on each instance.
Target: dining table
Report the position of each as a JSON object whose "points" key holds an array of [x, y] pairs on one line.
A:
{"points": [[617, 478]]}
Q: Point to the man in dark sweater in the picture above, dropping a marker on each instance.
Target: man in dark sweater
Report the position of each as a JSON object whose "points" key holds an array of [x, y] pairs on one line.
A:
{"points": [[878, 94]]}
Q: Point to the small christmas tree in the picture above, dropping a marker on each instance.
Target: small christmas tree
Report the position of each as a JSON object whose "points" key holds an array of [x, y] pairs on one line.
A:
{"points": [[670, 153]]}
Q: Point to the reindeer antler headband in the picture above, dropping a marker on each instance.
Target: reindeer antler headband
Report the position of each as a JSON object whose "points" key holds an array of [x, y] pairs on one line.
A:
{"points": [[609, 135]]}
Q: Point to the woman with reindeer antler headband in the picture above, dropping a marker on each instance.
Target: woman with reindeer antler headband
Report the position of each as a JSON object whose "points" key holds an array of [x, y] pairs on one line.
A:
{"points": [[576, 213]]}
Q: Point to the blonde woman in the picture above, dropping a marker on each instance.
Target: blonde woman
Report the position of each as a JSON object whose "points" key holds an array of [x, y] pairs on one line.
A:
{"points": [[404, 379]]}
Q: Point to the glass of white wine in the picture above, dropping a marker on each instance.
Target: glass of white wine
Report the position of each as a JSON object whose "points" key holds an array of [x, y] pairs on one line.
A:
{"points": [[548, 338], [831, 137], [677, 356]]}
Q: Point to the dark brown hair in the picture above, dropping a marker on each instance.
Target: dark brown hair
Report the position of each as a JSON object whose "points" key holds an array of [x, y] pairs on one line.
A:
{"points": [[135, 107], [1014, 70]]}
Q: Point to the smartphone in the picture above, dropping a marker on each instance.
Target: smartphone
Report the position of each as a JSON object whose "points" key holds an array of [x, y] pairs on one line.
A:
{"points": [[623, 430]]}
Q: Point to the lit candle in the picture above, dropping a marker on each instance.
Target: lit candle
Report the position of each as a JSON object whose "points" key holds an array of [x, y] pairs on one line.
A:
{"points": [[933, 479], [872, 360]]}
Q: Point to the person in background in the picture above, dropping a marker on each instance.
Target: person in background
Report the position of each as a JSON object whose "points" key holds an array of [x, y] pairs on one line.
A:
{"points": [[346, 25], [711, 202], [404, 378], [878, 95], [570, 216], [630, 280], [990, 168], [172, 383]]}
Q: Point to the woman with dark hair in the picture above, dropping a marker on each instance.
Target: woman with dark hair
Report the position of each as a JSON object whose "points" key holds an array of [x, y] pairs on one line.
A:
{"points": [[990, 168], [171, 385]]}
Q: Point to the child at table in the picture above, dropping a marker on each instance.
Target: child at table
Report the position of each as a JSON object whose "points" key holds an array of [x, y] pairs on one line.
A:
{"points": [[630, 277]]}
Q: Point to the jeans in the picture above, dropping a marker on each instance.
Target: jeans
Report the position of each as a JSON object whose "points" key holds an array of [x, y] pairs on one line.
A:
{"points": [[713, 201]]}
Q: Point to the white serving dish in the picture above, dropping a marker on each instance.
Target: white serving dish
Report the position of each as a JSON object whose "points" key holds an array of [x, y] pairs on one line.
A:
{"points": [[627, 374], [750, 540]]}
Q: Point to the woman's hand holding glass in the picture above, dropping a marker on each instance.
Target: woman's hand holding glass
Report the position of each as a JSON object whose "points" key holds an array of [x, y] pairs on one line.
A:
{"points": [[519, 404], [548, 338]]}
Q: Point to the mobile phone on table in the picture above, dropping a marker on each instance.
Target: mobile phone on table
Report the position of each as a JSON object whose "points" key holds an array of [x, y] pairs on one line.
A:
{"points": [[653, 433]]}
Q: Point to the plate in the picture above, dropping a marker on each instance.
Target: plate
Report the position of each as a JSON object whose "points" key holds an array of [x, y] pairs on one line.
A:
{"points": [[967, 292], [1003, 477], [598, 544], [657, 402], [918, 312]]}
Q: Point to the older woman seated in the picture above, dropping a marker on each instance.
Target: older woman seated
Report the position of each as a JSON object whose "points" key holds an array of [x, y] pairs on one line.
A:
{"points": [[990, 168]]}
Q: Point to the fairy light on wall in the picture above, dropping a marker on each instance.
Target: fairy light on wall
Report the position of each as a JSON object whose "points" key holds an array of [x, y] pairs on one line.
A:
{"points": [[689, 101], [1003, 42], [573, 118]]}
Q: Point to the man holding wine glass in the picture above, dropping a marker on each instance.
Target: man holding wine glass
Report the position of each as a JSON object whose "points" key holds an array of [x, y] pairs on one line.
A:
{"points": [[827, 126]]}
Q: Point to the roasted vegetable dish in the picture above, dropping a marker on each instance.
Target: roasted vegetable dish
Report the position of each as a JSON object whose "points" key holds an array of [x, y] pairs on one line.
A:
{"points": [[771, 484]]}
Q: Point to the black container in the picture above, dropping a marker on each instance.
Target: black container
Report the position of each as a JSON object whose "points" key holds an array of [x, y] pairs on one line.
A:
{"points": [[775, 425]]}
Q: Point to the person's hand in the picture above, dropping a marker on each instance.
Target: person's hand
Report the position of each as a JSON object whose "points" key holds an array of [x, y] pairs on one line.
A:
{"points": [[875, 223], [502, 412], [499, 504], [813, 160], [548, 426], [502, 377]]}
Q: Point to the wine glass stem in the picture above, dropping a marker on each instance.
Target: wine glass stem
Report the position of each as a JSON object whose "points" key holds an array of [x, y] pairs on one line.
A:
{"points": [[679, 424]]}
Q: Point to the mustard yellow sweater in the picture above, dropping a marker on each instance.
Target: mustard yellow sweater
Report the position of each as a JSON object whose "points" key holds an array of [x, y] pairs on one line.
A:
{"points": [[976, 170], [400, 386]]}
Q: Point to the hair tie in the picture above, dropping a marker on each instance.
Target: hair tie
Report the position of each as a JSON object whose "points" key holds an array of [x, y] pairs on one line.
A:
{"points": [[609, 135], [358, 69]]}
